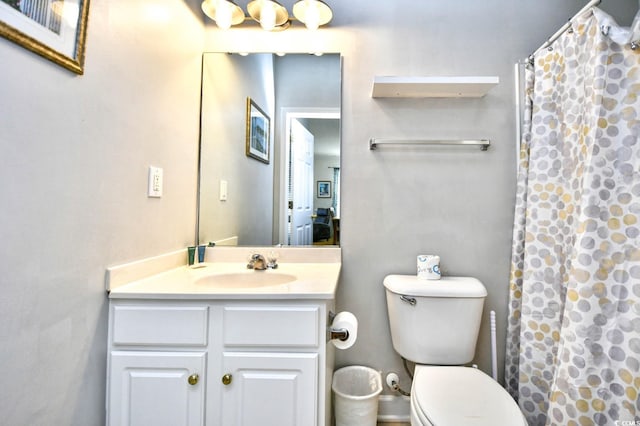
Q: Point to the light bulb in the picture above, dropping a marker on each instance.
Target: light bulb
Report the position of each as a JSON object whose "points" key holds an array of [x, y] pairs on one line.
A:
{"points": [[313, 16], [223, 15], [268, 16]]}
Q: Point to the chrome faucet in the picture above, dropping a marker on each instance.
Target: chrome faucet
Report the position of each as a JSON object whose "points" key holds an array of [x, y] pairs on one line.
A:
{"points": [[257, 263]]}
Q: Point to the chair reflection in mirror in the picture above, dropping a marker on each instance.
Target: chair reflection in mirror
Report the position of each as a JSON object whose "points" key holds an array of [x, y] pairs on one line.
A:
{"points": [[322, 225]]}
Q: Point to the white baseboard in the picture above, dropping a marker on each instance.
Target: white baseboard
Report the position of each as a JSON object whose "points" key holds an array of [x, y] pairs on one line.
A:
{"points": [[393, 408]]}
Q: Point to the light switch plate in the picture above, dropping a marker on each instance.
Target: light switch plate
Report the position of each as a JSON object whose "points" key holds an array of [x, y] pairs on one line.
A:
{"points": [[155, 182]]}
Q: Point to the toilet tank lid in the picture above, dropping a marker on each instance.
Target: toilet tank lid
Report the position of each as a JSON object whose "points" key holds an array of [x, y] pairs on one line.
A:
{"points": [[411, 285]]}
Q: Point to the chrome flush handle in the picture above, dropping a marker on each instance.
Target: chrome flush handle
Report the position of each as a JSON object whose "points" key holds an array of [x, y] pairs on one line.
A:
{"points": [[409, 300]]}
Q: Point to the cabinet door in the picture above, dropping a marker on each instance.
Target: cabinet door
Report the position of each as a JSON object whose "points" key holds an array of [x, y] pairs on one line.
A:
{"points": [[270, 389], [156, 388]]}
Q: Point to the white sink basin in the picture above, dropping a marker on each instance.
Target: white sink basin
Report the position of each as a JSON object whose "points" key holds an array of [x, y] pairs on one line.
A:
{"points": [[245, 279]]}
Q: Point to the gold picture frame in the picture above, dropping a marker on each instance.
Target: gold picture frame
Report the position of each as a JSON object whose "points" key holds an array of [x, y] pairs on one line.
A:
{"points": [[53, 29], [258, 132]]}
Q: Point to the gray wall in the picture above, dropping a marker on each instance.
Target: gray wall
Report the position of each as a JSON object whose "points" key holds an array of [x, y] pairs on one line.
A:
{"points": [[75, 152], [455, 203], [307, 81], [74, 156]]}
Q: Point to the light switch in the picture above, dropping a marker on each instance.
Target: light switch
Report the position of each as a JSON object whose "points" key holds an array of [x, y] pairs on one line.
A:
{"points": [[155, 182], [223, 190]]}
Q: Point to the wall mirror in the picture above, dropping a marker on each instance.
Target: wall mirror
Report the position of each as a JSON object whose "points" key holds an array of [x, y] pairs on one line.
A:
{"points": [[269, 167]]}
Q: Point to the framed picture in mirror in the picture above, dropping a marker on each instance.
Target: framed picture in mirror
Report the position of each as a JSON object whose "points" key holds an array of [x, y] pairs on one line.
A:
{"points": [[53, 29], [324, 189], [258, 131]]}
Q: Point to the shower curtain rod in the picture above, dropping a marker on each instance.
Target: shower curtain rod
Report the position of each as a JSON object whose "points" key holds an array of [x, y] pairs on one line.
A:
{"points": [[564, 28]]}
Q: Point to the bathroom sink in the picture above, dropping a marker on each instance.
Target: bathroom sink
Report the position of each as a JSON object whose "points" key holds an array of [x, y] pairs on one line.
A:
{"points": [[302, 273], [246, 279]]}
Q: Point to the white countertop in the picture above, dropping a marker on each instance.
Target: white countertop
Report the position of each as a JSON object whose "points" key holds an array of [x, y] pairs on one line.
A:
{"points": [[314, 281]]}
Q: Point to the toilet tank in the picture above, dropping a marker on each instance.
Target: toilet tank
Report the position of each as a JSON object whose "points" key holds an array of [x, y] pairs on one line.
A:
{"points": [[435, 321]]}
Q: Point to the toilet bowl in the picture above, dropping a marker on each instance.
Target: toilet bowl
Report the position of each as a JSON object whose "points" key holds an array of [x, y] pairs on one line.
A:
{"points": [[442, 396], [435, 324]]}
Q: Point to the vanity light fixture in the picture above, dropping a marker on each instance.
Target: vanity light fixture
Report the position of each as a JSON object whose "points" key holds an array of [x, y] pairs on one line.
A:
{"points": [[225, 12], [312, 13], [271, 15]]}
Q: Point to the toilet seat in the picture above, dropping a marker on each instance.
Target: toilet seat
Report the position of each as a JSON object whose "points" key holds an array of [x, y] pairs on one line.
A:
{"points": [[446, 396]]}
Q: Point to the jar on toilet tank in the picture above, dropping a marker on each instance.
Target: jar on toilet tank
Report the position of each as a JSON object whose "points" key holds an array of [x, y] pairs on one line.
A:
{"points": [[428, 267]]}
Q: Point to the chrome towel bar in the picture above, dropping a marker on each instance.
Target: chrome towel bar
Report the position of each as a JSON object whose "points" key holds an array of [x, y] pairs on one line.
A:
{"points": [[484, 144]]}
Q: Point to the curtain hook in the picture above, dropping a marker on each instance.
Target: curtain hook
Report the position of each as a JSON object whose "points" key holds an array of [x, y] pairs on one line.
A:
{"points": [[605, 30], [634, 44]]}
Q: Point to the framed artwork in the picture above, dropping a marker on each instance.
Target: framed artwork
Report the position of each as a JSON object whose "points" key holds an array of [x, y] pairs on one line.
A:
{"points": [[53, 29], [258, 132], [324, 189]]}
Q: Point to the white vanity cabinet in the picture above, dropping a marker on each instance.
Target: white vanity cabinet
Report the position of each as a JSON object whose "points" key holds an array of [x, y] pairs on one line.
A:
{"points": [[270, 361], [157, 363], [155, 388], [219, 362]]}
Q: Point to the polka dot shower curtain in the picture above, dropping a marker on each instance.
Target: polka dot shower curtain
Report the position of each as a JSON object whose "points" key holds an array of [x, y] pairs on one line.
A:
{"points": [[573, 338]]}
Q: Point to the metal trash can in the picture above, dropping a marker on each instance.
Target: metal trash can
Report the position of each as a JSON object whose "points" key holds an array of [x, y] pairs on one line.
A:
{"points": [[356, 389]]}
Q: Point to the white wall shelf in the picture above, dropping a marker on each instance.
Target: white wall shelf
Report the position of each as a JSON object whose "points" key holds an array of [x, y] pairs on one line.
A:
{"points": [[432, 87]]}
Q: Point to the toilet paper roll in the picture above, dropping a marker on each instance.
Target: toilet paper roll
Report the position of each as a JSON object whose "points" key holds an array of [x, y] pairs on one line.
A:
{"points": [[348, 321]]}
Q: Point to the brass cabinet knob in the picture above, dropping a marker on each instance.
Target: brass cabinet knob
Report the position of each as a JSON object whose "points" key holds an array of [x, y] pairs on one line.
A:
{"points": [[226, 379], [193, 379]]}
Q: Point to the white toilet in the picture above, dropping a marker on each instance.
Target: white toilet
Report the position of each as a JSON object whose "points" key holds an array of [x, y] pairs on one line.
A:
{"points": [[435, 324]]}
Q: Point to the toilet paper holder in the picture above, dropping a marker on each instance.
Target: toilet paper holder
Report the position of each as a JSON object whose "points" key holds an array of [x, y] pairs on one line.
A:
{"points": [[336, 333]]}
